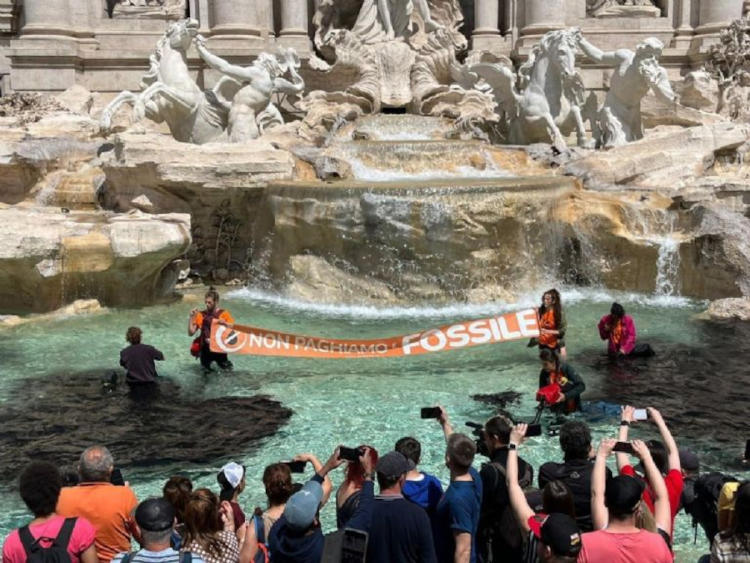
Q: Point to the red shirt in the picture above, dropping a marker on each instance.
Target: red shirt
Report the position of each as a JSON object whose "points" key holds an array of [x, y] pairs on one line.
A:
{"points": [[637, 547], [674, 483]]}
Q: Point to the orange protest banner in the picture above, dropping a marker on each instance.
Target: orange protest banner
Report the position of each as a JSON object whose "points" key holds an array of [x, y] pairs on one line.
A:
{"points": [[242, 339]]}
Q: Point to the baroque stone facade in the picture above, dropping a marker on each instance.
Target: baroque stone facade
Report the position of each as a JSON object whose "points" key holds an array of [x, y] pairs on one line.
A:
{"points": [[49, 45]]}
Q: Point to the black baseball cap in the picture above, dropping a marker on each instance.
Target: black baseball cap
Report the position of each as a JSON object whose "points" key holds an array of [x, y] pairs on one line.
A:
{"points": [[155, 515], [392, 464], [557, 531]]}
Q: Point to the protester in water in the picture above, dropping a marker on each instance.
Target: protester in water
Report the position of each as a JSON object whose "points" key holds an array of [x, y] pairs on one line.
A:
{"points": [[619, 331], [138, 359], [734, 545], [231, 478], [559, 383], [201, 320], [552, 324], [40, 484]]}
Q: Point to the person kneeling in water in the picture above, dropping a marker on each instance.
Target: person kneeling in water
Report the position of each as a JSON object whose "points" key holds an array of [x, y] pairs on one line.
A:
{"points": [[201, 320], [619, 330], [559, 384]]}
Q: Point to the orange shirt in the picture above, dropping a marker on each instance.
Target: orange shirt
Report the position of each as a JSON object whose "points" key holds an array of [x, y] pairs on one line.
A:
{"points": [[107, 507], [547, 320], [224, 316]]}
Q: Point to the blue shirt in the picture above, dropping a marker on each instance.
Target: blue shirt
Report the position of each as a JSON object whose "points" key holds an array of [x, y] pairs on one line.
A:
{"points": [[458, 511], [425, 493]]}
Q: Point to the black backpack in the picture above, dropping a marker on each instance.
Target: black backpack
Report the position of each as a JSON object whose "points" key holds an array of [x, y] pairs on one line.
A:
{"points": [[704, 506], [57, 552], [503, 532]]}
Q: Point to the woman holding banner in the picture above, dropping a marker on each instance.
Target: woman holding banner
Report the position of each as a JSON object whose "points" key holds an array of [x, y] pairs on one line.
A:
{"points": [[201, 320], [552, 324]]}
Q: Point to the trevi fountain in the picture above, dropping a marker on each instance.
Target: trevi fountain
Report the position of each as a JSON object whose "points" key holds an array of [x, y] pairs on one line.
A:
{"points": [[358, 169]]}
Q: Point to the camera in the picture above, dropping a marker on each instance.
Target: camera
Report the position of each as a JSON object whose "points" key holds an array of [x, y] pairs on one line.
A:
{"points": [[477, 430], [430, 412], [295, 466], [350, 454]]}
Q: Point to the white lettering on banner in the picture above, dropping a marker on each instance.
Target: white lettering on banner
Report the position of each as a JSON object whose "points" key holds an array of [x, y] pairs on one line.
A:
{"points": [[410, 341], [527, 322], [458, 336], [425, 340], [480, 333], [505, 331], [495, 330]]}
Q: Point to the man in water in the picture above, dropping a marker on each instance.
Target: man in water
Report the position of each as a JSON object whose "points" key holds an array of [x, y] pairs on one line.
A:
{"points": [[138, 360], [619, 331], [201, 320]]}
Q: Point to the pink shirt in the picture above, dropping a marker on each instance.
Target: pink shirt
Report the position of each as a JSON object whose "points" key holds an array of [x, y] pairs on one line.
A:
{"points": [[638, 547], [80, 540]]}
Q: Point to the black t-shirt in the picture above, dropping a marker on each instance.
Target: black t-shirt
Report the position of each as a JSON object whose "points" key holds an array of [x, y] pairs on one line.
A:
{"points": [[400, 531], [138, 360], [576, 474]]}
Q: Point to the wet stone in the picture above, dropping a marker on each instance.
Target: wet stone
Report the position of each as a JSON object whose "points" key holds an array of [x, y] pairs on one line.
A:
{"points": [[57, 417]]}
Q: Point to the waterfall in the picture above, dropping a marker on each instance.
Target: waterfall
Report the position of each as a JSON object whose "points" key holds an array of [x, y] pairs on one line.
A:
{"points": [[668, 267]]}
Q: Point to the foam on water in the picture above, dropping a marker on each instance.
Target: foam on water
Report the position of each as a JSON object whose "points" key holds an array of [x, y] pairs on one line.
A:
{"points": [[572, 295]]}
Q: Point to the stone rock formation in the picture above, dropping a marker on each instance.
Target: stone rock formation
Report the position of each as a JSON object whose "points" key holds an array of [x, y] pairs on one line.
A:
{"points": [[68, 255], [730, 309]]}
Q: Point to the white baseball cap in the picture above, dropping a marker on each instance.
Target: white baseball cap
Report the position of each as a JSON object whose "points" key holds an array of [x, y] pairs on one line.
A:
{"points": [[234, 473]]}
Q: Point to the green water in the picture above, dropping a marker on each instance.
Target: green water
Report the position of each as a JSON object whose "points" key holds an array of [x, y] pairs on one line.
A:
{"points": [[377, 401]]}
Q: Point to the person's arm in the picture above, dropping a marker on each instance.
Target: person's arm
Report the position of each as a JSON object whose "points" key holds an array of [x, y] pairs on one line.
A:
{"points": [[462, 554], [239, 73], [673, 454], [599, 512], [604, 327], [518, 501], [578, 387], [445, 423], [192, 322], [158, 355], [248, 541], [622, 436], [595, 54], [89, 555], [628, 335], [662, 511], [318, 467], [362, 516], [562, 326]]}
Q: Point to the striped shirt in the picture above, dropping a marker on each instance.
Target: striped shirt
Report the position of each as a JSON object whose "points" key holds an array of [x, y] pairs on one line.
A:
{"points": [[168, 555]]}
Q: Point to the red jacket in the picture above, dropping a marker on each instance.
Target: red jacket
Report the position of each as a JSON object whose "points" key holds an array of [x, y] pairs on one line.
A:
{"points": [[627, 341]]}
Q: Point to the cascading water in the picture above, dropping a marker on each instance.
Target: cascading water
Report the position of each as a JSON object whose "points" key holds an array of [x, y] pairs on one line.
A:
{"points": [[668, 267]]}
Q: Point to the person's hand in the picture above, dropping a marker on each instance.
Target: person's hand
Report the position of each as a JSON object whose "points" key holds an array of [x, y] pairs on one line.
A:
{"points": [[641, 449], [193, 313], [544, 331], [560, 398], [607, 327], [627, 413], [654, 415], [227, 516], [242, 531], [333, 462], [443, 418], [518, 433], [366, 460], [605, 446]]}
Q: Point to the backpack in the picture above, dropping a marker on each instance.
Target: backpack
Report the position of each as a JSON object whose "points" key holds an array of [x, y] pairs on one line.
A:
{"points": [[704, 507], [503, 530], [263, 555], [185, 557], [57, 552]]}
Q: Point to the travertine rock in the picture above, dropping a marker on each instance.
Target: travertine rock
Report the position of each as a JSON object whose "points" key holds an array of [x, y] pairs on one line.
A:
{"points": [[76, 99], [118, 259], [730, 309], [700, 91]]}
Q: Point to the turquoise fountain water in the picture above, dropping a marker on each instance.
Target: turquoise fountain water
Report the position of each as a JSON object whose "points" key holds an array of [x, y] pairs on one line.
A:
{"points": [[377, 401]]}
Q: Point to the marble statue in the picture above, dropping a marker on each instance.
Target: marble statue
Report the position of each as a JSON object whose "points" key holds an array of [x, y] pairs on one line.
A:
{"points": [[385, 20], [251, 110], [146, 8], [239, 105], [619, 8], [636, 73], [546, 100]]}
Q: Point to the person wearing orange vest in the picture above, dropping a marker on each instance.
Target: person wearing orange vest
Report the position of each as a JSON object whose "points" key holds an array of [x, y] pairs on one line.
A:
{"points": [[552, 324], [201, 320], [570, 383]]}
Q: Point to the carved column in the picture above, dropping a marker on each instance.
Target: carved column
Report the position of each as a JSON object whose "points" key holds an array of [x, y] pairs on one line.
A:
{"points": [[718, 14], [543, 16], [486, 35], [46, 17], [684, 31], [294, 25]]}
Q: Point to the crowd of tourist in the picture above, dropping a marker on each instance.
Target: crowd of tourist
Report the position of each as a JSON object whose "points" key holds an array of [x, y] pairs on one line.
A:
{"points": [[489, 512], [495, 511]]}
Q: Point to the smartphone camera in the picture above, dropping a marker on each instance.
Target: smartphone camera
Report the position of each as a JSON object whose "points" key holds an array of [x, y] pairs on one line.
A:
{"points": [[624, 447], [430, 412], [640, 414], [349, 454], [116, 477], [533, 430], [295, 466]]}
